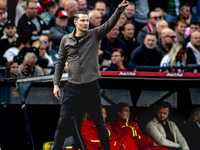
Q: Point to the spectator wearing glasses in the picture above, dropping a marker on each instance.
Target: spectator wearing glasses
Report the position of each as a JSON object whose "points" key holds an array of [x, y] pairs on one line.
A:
{"points": [[118, 63], [28, 67], [176, 56], [95, 19], [13, 68], [31, 24], [180, 29], [165, 41], [153, 18], [21, 42]]}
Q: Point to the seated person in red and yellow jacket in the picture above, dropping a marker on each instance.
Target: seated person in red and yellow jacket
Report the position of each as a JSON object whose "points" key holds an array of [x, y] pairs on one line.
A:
{"points": [[91, 139], [123, 126]]}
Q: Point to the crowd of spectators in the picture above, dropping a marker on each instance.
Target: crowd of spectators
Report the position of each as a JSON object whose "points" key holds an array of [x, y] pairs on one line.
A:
{"points": [[148, 33]]}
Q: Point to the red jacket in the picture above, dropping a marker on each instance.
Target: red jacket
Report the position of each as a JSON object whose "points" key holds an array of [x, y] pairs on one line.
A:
{"points": [[117, 142], [132, 129]]}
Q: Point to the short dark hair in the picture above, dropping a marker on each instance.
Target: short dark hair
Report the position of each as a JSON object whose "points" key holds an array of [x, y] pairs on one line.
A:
{"points": [[8, 64], [164, 105], [195, 22], [120, 106], [181, 7], [76, 15], [128, 22], [150, 33]]}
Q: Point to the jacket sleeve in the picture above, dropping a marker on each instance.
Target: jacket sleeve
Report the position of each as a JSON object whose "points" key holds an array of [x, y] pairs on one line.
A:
{"points": [[102, 30], [180, 139], [62, 57], [90, 136], [154, 133]]}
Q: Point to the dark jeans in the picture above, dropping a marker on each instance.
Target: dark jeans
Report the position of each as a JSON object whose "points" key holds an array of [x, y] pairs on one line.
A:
{"points": [[87, 96]]}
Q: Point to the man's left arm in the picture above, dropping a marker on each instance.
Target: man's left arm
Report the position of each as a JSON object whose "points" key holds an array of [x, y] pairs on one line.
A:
{"points": [[102, 30]]}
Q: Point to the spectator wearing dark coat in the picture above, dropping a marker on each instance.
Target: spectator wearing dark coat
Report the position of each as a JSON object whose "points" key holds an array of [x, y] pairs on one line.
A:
{"points": [[30, 24], [128, 31], [146, 54], [110, 41]]}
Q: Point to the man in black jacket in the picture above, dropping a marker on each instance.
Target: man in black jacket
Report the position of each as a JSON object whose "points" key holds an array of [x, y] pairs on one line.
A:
{"points": [[146, 54], [30, 24]]}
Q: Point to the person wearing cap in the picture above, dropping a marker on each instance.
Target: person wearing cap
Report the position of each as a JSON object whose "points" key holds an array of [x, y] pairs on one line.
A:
{"points": [[31, 24], [60, 28], [10, 31], [9, 36]]}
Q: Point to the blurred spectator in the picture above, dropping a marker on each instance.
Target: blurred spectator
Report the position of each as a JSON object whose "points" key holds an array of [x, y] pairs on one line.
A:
{"points": [[21, 5], [71, 7], [95, 19], [110, 41], [51, 9], [175, 57], [184, 14], [30, 24], [9, 36], [124, 126], [129, 12], [82, 5], [60, 28], [192, 133], [28, 67], [160, 25], [194, 26], [193, 49], [180, 29], [118, 61], [101, 7], [128, 31], [159, 10], [41, 46], [13, 68], [166, 41], [146, 54], [165, 132], [47, 38], [3, 15], [153, 18], [21, 42]]}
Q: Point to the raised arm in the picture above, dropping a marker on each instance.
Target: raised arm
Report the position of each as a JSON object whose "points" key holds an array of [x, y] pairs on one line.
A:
{"points": [[102, 30]]}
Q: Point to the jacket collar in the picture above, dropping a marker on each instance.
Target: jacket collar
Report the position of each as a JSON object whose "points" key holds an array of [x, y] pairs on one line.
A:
{"points": [[72, 34]]}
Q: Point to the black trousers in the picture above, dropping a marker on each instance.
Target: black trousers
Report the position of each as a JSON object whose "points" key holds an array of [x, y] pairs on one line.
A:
{"points": [[78, 96]]}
